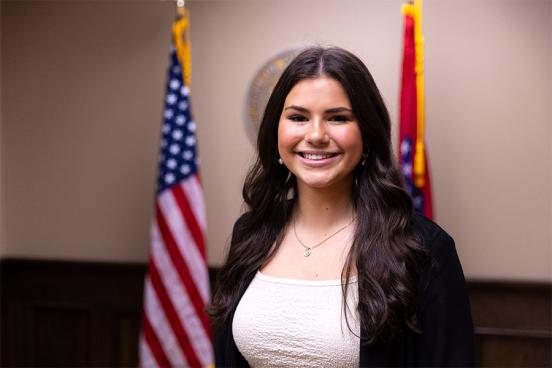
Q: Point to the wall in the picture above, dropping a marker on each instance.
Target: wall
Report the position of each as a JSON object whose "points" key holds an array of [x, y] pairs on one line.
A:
{"points": [[83, 86], [2, 156]]}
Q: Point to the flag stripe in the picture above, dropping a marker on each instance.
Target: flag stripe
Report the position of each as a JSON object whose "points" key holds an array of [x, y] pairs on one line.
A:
{"points": [[194, 193], [198, 337], [184, 239], [185, 244], [159, 323], [154, 344], [172, 316], [183, 271], [190, 219], [146, 358]]}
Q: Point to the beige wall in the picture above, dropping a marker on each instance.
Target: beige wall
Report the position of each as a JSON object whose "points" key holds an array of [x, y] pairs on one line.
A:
{"points": [[83, 86], [2, 156]]}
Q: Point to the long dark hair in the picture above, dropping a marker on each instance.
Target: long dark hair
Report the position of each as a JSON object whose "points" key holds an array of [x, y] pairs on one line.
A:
{"points": [[385, 250]]}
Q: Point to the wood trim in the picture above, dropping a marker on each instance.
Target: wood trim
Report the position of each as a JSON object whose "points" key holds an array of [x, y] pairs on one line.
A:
{"points": [[56, 312], [66, 313]]}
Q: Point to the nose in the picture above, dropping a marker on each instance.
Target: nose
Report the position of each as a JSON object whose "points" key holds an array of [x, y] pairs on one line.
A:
{"points": [[316, 133]]}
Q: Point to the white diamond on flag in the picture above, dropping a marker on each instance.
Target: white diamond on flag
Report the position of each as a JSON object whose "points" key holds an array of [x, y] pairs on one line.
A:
{"points": [[407, 169], [405, 146]]}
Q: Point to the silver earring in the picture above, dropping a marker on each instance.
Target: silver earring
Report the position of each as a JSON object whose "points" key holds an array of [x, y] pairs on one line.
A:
{"points": [[364, 157], [280, 161]]}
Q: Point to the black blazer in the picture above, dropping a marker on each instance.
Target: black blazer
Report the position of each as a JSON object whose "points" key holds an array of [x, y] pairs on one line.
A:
{"points": [[447, 335]]}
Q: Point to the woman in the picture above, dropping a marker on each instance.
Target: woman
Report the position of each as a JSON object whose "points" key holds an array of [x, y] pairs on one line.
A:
{"points": [[330, 266]]}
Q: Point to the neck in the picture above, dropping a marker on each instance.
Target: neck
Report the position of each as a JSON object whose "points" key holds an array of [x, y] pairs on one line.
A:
{"points": [[323, 208]]}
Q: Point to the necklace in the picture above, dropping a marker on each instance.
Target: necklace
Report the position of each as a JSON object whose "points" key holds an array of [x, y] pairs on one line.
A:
{"points": [[308, 249]]}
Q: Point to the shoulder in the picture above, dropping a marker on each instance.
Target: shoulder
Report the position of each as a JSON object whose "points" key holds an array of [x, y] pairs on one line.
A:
{"points": [[443, 274], [436, 241]]}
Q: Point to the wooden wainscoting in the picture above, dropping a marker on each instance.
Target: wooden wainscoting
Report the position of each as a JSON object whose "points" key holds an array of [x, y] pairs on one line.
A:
{"points": [[78, 314], [513, 323], [59, 313]]}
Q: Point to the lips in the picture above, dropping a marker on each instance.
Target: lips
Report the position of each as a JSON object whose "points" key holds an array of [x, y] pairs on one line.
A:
{"points": [[317, 159], [317, 156]]}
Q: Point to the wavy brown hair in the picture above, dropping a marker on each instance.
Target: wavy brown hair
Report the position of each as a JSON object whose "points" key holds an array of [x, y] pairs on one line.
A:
{"points": [[385, 249]]}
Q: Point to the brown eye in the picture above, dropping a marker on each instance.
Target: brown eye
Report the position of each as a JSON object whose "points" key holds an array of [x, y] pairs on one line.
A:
{"points": [[297, 118], [340, 118]]}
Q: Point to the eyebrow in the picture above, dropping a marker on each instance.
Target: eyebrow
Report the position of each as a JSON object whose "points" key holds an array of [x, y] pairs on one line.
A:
{"points": [[328, 111]]}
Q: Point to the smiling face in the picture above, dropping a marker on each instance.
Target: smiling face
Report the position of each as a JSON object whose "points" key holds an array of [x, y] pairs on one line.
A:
{"points": [[319, 139]]}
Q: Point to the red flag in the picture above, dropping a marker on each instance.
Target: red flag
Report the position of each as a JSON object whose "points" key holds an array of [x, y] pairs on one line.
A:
{"points": [[413, 158], [175, 331]]}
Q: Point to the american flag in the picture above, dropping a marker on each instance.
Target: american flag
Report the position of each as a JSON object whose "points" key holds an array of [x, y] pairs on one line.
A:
{"points": [[412, 155], [175, 328]]}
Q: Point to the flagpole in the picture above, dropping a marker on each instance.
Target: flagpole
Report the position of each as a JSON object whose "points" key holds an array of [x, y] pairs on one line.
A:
{"points": [[419, 157]]}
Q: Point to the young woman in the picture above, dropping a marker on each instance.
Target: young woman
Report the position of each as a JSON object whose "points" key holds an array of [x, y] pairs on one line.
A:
{"points": [[330, 266]]}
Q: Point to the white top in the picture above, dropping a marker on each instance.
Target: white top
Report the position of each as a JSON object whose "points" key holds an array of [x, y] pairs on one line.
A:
{"points": [[283, 322]]}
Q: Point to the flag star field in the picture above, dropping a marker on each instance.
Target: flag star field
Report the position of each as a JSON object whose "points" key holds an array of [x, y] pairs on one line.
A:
{"points": [[178, 158]]}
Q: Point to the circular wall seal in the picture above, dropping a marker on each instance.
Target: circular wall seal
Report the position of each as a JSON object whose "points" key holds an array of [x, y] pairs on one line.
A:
{"points": [[261, 87]]}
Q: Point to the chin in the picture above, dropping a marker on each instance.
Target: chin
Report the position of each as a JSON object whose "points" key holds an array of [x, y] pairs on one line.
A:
{"points": [[319, 183]]}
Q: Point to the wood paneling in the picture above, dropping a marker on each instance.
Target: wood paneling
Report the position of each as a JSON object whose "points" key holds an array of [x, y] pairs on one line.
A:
{"points": [[57, 313], [513, 323]]}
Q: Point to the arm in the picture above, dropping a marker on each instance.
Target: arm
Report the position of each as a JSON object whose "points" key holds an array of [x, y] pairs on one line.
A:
{"points": [[226, 352], [447, 337]]}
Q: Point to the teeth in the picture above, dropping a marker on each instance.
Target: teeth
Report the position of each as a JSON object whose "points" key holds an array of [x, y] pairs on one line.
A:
{"points": [[317, 156]]}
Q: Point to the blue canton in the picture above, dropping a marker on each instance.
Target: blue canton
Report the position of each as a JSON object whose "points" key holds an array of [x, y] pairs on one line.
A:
{"points": [[407, 171], [178, 159]]}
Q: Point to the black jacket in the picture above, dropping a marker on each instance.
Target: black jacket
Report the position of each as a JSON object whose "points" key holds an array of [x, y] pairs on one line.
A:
{"points": [[446, 338]]}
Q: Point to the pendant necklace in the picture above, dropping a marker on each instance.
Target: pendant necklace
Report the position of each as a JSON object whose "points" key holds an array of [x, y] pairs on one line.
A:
{"points": [[308, 249]]}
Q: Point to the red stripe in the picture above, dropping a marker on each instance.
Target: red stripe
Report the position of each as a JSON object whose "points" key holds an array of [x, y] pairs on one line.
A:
{"points": [[153, 343], [172, 316], [182, 269], [190, 218]]}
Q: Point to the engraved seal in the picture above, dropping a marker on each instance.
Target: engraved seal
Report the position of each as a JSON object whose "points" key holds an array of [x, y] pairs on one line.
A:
{"points": [[261, 87]]}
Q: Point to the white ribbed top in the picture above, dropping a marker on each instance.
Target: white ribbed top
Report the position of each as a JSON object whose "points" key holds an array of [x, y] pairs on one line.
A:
{"points": [[283, 322]]}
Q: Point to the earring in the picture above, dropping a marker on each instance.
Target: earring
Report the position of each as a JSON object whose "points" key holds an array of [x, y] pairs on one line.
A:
{"points": [[364, 158], [280, 161]]}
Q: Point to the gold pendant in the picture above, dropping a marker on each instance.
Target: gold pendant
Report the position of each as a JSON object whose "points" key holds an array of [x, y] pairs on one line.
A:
{"points": [[307, 252]]}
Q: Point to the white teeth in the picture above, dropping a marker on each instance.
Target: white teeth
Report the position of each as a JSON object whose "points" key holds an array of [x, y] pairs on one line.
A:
{"points": [[317, 156]]}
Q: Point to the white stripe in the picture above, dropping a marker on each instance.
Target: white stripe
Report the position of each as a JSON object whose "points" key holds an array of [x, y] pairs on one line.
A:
{"points": [[185, 242], [146, 358], [161, 326], [198, 337], [194, 193]]}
